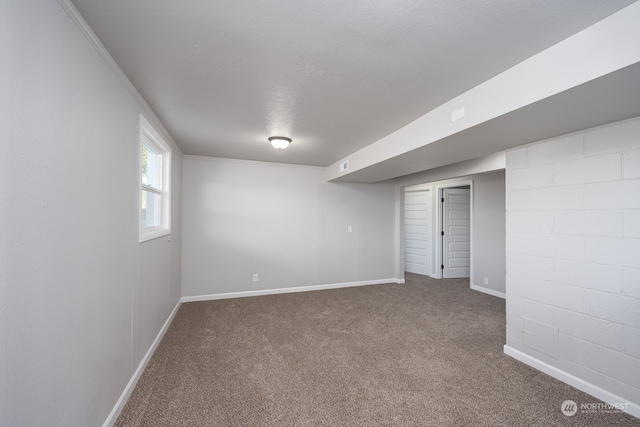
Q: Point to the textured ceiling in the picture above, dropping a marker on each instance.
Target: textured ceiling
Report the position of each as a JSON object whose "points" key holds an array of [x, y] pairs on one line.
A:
{"points": [[333, 75]]}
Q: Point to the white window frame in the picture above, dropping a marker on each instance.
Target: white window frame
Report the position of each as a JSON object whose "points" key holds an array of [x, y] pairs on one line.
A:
{"points": [[155, 139]]}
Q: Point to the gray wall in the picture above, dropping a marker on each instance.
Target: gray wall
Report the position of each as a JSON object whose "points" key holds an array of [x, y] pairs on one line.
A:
{"points": [[489, 231], [488, 215], [80, 299], [573, 259], [283, 222]]}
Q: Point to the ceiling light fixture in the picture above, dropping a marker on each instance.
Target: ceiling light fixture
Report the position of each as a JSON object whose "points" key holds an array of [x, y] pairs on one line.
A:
{"points": [[280, 142]]}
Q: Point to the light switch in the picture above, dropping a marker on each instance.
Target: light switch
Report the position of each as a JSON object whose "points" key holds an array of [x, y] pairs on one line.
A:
{"points": [[349, 229]]}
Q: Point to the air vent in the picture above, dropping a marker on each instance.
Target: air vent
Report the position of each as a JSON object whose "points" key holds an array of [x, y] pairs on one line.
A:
{"points": [[457, 115]]}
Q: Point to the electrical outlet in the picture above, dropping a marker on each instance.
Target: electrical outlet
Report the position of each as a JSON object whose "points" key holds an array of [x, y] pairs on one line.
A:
{"points": [[349, 229], [486, 280], [255, 277]]}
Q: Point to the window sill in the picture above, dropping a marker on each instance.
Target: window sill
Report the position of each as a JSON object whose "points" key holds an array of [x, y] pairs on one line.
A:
{"points": [[153, 233]]}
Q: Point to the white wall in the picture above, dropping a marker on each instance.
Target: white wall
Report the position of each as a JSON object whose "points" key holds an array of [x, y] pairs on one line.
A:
{"points": [[488, 232], [80, 299], [282, 222], [573, 259]]}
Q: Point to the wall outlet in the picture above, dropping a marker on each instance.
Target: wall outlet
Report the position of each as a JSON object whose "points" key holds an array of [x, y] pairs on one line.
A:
{"points": [[255, 277], [349, 229], [486, 281]]}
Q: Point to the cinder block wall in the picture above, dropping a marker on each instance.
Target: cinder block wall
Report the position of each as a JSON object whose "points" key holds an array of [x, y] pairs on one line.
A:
{"points": [[573, 257]]}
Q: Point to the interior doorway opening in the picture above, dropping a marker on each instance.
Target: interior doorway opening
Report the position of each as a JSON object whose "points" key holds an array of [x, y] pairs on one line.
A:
{"points": [[486, 225], [455, 232], [437, 229]]}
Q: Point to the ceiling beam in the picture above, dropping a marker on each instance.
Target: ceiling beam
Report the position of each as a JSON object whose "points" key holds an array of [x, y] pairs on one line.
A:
{"points": [[589, 79]]}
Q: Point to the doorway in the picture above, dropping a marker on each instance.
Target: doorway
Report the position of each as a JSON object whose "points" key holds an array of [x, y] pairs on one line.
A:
{"points": [[455, 232]]}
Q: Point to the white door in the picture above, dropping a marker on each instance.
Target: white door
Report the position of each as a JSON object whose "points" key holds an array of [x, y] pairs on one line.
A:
{"points": [[417, 231], [456, 225]]}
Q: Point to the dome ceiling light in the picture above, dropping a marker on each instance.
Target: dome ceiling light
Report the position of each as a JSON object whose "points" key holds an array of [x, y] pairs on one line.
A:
{"points": [[279, 142]]}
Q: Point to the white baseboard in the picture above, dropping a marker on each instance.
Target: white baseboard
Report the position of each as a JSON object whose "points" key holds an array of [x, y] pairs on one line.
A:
{"points": [[115, 412], [580, 384], [489, 291], [242, 294]]}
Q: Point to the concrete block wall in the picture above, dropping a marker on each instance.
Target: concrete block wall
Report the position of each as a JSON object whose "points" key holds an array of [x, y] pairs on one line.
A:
{"points": [[573, 258]]}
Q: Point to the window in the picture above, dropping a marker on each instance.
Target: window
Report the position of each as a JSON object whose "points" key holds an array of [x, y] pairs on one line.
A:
{"points": [[155, 183]]}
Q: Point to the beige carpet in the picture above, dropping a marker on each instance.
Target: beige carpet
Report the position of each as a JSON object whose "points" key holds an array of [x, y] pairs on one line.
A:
{"points": [[425, 353]]}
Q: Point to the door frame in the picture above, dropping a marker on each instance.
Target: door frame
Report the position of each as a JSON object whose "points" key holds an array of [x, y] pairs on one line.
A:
{"points": [[439, 191]]}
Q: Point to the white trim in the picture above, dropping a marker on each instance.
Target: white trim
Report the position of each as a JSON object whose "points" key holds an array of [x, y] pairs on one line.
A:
{"points": [[489, 291], [439, 193], [153, 233], [243, 294], [117, 409], [149, 135], [86, 30], [580, 384]]}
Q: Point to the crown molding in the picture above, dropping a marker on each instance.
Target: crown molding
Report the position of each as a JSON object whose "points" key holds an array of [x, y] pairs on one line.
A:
{"points": [[86, 30], [251, 162]]}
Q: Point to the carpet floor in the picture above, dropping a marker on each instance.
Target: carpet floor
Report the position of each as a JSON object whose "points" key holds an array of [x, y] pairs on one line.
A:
{"points": [[425, 353]]}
